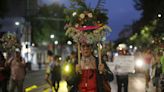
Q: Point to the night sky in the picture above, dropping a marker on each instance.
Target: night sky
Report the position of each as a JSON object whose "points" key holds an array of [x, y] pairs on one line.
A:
{"points": [[120, 12]]}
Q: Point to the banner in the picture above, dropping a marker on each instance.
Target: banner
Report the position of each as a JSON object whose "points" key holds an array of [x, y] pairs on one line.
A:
{"points": [[122, 64]]}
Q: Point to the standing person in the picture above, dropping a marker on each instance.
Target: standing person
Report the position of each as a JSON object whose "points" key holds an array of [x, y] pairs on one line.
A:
{"points": [[122, 76], [3, 77], [71, 62], [92, 73], [158, 70], [148, 57], [54, 71], [17, 65]]}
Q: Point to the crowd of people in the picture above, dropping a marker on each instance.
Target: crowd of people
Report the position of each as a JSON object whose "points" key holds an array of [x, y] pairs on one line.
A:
{"points": [[12, 72], [86, 75]]}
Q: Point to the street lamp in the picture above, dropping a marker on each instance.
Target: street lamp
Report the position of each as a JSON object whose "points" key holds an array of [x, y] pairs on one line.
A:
{"points": [[56, 42], [52, 36], [159, 15], [17, 23], [69, 42]]}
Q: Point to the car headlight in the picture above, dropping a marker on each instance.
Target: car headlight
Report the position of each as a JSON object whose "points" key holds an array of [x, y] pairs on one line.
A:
{"points": [[139, 63]]}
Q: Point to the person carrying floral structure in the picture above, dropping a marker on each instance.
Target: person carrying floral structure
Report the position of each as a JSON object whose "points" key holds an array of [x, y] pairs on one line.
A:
{"points": [[86, 26]]}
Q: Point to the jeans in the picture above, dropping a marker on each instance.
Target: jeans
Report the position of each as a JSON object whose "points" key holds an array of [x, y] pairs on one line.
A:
{"points": [[16, 83]]}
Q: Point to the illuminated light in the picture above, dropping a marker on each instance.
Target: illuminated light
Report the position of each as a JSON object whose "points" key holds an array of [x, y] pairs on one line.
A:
{"points": [[130, 46], [69, 42], [52, 36], [159, 15], [67, 68], [63, 86], [17, 23], [139, 63], [135, 48], [56, 42], [33, 44], [74, 14], [60, 58], [28, 89]]}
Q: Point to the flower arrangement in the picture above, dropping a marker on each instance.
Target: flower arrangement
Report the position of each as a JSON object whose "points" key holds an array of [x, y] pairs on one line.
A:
{"points": [[84, 24], [9, 42]]}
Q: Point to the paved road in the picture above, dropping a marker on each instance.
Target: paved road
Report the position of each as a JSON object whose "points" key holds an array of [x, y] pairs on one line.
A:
{"points": [[35, 83]]}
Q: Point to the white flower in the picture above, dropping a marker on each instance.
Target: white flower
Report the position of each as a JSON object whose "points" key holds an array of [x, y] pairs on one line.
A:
{"points": [[74, 14], [76, 25], [82, 16], [90, 15]]}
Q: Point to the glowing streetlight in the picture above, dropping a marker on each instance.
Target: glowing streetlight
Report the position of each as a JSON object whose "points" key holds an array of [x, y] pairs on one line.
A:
{"points": [[69, 42], [52, 36], [159, 15], [130, 46], [56, 42], [17, 23], [33, 44]]}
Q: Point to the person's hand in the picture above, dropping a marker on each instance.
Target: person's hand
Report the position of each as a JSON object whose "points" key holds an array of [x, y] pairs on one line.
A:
{"points": [[101, 68], [78, 68]]}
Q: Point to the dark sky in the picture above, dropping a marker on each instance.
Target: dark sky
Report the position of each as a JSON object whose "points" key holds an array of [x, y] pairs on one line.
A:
{"points": [[121, 13]]}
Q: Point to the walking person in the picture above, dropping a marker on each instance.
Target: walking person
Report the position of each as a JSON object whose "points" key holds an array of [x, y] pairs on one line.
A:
{"points": [[148, 58], [54, 72], [71, 73], [17, 65], [3, 77], [92, 73], [121, 75], [158, 70]]}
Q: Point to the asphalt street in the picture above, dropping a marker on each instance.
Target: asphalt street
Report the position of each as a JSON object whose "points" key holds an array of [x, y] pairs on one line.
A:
{"points": [[35, 82]]}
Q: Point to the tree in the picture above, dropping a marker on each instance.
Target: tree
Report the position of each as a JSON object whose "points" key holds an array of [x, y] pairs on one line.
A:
{"points": [[3, 7], [48, 21], [150, 19]]}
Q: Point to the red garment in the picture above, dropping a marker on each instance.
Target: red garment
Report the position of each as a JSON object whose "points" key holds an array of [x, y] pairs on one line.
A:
{"points": [[88, 81]]}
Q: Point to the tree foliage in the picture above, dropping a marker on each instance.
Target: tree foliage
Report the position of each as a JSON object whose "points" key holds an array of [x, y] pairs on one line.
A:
{"points": [[48, 21], [3, 7], [150, 19]]}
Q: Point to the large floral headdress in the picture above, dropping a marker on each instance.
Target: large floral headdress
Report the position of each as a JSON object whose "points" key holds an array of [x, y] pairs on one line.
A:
{"points": [[84, 24]]}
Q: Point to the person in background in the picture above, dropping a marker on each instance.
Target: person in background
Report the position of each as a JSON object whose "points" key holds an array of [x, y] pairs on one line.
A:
{"points": [[54, 72], [157, 71], [122, 76], [148, 58], [17, 65], [71, 73], [3, 77]]}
